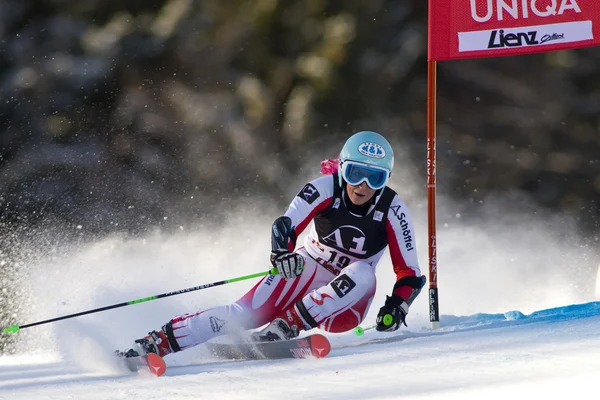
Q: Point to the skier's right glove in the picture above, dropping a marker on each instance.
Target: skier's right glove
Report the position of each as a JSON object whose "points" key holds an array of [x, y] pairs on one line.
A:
{"points": [[392, 314], [288, 264]]}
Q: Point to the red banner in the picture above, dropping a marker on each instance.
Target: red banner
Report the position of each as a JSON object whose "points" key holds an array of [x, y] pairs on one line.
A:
{"points": [[491, 28]]}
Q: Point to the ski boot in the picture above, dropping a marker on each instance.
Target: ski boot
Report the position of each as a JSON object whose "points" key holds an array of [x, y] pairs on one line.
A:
{"points": [[285, 326], [156, 342]]}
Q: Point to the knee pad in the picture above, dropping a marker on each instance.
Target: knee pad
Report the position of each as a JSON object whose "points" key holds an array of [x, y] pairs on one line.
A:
{"points": [[361, 273]]}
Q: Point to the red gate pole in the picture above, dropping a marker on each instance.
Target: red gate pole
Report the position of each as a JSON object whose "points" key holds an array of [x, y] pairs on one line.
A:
{"points": [[434, 314]]}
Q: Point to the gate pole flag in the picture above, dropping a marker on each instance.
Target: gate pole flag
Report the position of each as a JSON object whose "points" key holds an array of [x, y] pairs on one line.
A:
{"points": [[460, 29], [492, 28]]}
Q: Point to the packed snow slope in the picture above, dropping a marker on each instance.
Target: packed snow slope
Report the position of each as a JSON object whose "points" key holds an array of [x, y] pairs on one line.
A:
{"points": [[484, 349], [553, 352]]}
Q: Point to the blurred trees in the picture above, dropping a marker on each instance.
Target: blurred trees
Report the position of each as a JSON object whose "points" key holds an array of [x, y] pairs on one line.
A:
{"points": [[126, 114]]}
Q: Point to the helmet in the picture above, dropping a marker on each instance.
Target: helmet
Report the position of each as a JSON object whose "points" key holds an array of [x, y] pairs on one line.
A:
{"points": [[366, 156]]}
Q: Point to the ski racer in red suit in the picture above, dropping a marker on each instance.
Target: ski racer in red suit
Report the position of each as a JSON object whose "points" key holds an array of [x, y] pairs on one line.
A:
{"points": [[329, 282]]}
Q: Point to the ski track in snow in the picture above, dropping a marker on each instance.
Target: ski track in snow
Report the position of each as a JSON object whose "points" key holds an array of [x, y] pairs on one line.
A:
{"points": [[553, 352]]}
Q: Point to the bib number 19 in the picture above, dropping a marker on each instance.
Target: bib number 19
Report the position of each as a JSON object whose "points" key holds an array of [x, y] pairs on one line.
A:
{"points": [[340, 262]]}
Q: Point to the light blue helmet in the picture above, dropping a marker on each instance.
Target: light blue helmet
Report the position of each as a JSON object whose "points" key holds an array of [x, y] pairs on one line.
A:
{"points": [[368, 148]]}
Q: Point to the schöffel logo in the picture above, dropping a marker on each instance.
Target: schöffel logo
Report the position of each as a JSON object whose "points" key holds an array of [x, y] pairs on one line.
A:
{"points": [[371, 150], [406, 234], [554, 36], [526, 36]]}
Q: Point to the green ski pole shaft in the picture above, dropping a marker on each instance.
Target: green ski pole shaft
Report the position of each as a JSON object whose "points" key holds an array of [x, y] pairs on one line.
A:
{"points": [[16, 328]]}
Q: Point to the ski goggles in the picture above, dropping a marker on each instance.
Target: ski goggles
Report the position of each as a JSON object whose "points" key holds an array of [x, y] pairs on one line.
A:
{"points": [[356, 173]]}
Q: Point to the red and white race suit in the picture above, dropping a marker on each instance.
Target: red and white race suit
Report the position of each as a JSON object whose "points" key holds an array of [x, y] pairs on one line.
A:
{"points": [[341, 252]]}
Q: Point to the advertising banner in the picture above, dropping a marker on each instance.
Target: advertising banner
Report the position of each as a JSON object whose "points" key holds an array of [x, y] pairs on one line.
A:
{"points": [[490, 28]]}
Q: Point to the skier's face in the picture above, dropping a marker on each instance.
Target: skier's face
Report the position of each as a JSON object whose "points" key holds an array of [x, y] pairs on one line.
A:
{"points": [[360, 194]]}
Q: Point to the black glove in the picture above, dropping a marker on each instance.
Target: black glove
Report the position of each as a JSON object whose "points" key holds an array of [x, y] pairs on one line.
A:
{"points": [[282, 233], [288, 264], [392, 314]]}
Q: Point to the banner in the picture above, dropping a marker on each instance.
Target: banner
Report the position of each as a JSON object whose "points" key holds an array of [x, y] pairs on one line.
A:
{"points": [[491, 28]]}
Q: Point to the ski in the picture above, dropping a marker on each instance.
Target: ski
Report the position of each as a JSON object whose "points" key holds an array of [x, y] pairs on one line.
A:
{"points": [[152, 362], [315, 345]]}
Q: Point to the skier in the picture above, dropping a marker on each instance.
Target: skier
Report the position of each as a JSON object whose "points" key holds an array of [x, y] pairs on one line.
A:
{"points": [[330, 282]]}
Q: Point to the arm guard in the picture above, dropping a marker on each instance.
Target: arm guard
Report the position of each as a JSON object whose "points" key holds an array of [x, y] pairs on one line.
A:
{"points": [[283, 234], [415, 282]]}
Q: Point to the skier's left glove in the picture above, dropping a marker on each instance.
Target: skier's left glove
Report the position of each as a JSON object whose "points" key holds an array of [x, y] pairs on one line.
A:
{"points": [[392, 314]]}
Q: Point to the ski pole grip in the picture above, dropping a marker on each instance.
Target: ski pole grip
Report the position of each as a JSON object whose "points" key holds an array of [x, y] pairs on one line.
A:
{"points": [[388, 319]]}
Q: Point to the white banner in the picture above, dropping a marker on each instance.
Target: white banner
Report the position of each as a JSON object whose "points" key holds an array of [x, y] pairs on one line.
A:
{"points": [[525, 36]]}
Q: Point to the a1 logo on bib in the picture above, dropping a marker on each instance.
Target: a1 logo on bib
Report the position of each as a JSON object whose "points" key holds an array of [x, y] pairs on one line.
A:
{"points": [[370, 149], [348, 238]]}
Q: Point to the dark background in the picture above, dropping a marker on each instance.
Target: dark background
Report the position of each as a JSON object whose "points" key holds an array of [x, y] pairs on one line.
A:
{"points": [[133, 114]]}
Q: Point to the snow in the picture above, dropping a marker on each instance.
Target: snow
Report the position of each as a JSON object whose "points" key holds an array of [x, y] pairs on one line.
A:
{"points": [[492, 342], [553, 353]]}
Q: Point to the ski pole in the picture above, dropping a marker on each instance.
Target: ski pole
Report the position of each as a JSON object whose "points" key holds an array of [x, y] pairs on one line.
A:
{"points": [[16, 328], [359, 330]]}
